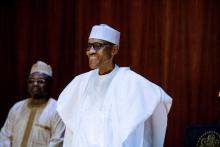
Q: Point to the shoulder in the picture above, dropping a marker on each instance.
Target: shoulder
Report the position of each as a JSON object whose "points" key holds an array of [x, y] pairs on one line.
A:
{"points": [[83, 75], [20, 104], [76, 82], [18, 107], [50, 108], [132, 77], [148, 85], [52, 104], [52, 101], [79, 79], [127, 73]]}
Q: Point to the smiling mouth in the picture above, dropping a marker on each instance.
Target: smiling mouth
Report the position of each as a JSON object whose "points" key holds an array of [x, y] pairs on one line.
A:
{"points": [[35, 89], [92, 57]]}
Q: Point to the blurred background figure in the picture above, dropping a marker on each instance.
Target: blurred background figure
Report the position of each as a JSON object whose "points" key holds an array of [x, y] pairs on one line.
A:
{"points": [[34, 121]]}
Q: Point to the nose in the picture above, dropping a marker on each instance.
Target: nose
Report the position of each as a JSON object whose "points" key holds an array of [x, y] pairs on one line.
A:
{"points": [[35, 83]]}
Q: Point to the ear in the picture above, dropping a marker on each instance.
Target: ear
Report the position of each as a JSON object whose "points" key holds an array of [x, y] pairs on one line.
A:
{"points": [[115, 49]]}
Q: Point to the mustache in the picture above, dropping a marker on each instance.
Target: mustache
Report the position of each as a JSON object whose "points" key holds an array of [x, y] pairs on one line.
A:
{"points": [[91, 54]]}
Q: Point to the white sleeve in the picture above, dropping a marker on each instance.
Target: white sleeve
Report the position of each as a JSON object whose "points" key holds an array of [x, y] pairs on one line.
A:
{"points": [[159, 120], [68, 137], [6, 131], [57, 132]]}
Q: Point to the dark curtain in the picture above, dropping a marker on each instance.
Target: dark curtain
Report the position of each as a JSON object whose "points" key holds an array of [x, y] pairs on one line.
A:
{"points": [[174, 43]]}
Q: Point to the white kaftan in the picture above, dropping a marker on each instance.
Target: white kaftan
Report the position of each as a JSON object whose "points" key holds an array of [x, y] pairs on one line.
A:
{"points": [[47, 129], [119, 109]]}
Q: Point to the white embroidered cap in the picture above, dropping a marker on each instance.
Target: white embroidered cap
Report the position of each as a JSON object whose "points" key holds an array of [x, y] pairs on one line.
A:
{"points": [[105, 32], [41, 67]]}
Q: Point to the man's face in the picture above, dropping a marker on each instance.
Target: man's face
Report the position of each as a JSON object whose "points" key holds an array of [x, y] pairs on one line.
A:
{"points": [[38, 86], [100, 53]]}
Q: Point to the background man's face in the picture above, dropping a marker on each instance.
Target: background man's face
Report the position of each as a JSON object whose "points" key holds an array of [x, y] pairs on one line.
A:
{"points": [[38, 85]]}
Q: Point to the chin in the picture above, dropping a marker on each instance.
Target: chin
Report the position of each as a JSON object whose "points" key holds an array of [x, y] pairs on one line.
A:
{"points": [[93, 66], [36, 97]]}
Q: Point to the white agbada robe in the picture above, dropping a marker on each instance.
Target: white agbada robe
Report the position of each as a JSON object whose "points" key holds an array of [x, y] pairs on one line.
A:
{"points": [[119, 109], [47, 129]]}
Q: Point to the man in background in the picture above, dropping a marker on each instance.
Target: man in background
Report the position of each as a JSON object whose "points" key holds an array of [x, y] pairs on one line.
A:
{"points": [[112, 106], [34, 121]]}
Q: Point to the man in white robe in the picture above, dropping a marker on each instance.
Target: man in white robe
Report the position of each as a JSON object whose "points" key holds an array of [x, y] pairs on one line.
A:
{"points": [[112, 106], [34, 122]]}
